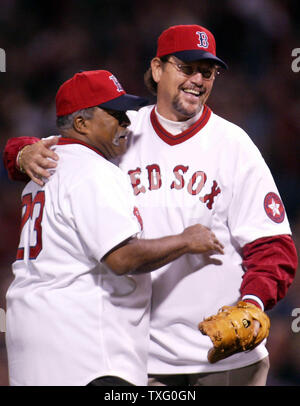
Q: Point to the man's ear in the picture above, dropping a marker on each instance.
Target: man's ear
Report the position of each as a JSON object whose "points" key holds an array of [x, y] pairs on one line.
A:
{"points": [[81, 125], [156, 67]]}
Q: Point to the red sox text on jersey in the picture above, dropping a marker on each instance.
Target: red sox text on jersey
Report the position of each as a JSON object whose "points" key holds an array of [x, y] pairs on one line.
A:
{"points": [[182, 179]]}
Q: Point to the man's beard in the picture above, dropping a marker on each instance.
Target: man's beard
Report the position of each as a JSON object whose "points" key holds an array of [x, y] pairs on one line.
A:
{"points": [[186, 112]]}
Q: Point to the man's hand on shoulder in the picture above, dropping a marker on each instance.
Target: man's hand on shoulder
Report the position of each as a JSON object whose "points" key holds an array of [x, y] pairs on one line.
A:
{"points": [[36, 159]]}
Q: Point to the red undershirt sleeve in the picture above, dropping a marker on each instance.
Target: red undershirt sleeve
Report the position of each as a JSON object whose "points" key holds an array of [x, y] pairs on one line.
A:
{"points": [[270, 265], [11, 150]]}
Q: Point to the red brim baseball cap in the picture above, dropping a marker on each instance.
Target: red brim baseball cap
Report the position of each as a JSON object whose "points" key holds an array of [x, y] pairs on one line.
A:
{"points": [[189, 43], [95, 88]]}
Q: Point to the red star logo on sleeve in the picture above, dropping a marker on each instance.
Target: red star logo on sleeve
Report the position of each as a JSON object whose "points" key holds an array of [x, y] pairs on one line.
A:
{"points": [[274, 207]]}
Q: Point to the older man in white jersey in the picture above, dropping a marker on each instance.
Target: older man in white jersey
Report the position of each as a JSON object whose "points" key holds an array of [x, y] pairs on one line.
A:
{"points": [[188, 165], [78, 307]]}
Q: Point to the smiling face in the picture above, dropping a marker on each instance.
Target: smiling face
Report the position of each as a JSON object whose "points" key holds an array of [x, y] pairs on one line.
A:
{"points": [[180, 96], [106, 130]]}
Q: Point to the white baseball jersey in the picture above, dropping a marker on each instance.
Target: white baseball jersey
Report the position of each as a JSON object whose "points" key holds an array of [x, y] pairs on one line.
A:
{"points": [[209, 173], [69, 318]]}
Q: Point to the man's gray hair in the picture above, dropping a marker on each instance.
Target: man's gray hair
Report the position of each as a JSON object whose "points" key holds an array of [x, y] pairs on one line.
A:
{"points": [[66, 122]]}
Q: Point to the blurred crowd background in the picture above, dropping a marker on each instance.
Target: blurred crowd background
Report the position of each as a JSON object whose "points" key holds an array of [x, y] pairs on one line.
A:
{"points": [[47, 42]]}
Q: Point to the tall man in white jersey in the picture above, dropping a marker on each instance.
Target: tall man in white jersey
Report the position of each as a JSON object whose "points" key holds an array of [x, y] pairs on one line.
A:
{"points": [[188, 165], [78, 308]]}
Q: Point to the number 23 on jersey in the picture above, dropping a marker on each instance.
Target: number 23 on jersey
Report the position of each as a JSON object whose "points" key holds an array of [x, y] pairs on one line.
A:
{"points": [[31, 225]]}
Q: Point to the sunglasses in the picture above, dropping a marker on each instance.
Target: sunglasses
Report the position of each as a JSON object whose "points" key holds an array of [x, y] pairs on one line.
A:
{"points": [[189, 70], [121, 116]]}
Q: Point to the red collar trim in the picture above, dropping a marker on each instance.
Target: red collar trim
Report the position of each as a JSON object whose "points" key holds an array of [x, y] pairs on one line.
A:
{"points": [[65, 141], [183, 136]]}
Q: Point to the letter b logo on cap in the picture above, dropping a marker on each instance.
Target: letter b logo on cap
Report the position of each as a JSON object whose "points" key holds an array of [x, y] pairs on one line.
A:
{"points": [[117, 83], [203, 39]]}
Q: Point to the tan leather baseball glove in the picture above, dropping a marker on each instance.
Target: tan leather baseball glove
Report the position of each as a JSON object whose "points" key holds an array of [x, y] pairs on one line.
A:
{"points": [[232, 330]]}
